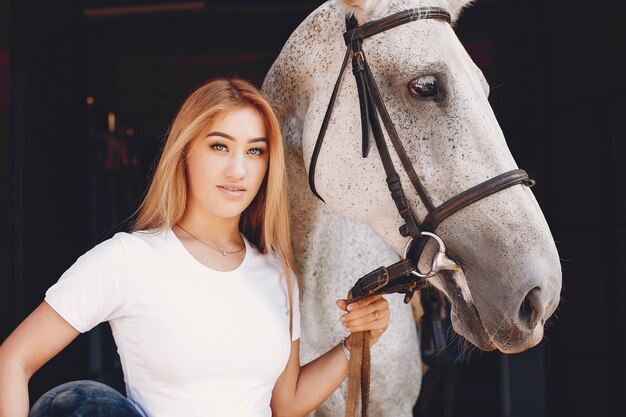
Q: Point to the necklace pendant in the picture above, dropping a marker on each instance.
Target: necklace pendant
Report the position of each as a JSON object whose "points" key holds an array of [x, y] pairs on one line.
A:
{"points": [[223, 253]]}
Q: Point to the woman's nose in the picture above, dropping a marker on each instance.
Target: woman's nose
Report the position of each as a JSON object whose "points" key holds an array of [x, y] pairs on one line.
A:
{"points": [[236, 167]]}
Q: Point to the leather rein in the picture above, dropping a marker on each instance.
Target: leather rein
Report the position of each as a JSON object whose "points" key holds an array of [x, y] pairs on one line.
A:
{"points": [[404, 275]]}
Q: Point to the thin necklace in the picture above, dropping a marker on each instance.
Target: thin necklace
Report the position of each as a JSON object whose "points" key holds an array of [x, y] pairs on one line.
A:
{"points": [[223, 252]]}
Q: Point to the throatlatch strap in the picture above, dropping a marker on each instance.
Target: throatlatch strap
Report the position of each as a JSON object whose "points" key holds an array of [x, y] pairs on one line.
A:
{"points": [[320, 136]]}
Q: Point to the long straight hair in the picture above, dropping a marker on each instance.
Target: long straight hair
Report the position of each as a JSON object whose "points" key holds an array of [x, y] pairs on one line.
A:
{"points": [[265, 222]]}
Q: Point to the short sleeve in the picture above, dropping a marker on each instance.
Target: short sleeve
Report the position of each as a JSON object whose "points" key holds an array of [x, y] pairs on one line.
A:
{"points": [[295, 333], [93, 289]]}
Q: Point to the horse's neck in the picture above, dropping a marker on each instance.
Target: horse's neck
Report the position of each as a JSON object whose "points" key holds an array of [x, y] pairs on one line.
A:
{"points": [[311, 51], [323, 240]]}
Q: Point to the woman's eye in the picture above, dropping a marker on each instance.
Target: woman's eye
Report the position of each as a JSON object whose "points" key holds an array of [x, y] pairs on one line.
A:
{"points": [[218, 147], [423, 87], [256, 151]]}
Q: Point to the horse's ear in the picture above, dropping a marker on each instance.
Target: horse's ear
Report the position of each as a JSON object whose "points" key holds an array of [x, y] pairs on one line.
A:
{"points": [[457, 6]]}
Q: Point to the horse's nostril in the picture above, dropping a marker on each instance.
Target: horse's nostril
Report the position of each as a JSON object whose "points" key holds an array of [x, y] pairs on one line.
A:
{"points": [[531, 310]]}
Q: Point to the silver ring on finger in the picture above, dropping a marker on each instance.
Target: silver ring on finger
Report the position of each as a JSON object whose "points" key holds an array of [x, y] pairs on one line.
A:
{"points": [[375, 315]]}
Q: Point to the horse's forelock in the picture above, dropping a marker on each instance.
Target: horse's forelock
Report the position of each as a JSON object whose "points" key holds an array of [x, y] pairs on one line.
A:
{"points": [[354, 6], [370, 8], [375, 9]]}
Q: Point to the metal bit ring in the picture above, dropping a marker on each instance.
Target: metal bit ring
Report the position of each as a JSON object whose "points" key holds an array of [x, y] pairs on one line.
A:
{"points": [[441, 260]]}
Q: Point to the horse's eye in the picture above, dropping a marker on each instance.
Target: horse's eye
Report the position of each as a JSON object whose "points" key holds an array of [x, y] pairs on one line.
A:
{"points": [[423, 87]]}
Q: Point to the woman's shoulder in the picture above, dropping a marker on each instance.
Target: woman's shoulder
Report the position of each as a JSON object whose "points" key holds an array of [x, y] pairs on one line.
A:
{"points": [[131, 241], [139, 236]]}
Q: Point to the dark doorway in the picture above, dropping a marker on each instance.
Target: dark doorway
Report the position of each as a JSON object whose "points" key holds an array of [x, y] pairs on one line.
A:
{"points": [[70, 179]]}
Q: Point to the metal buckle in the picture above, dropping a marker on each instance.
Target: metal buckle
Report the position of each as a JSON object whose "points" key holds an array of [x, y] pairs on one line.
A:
{"points": [[441, 261], [358, 54], [379, 286]]}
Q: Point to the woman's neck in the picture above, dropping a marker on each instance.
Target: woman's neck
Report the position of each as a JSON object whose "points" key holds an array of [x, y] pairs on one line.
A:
{"points": [[210, 228]]}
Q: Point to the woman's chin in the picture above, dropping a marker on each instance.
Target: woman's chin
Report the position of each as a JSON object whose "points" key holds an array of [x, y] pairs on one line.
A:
{"points": [[229, 209]]}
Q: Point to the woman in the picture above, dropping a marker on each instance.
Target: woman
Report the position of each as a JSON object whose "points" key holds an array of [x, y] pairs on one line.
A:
{"points": [[200, 296]]}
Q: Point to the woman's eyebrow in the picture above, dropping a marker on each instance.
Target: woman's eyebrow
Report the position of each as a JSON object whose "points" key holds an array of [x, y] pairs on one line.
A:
{"points": [[229, 137]]}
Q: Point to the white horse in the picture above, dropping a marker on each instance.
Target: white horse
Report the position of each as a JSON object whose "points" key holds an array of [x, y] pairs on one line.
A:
{"points": [[511, 280]]}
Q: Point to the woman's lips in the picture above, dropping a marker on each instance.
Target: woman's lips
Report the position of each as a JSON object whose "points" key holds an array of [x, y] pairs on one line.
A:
{"points": [[232, 190]]}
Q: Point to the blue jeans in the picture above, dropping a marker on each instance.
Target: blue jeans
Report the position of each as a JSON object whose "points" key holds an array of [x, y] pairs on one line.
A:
{"points": [[83, 399]]}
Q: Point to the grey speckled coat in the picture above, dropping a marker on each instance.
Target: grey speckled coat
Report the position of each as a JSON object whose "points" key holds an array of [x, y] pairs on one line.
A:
{"points": [[512, 279]]}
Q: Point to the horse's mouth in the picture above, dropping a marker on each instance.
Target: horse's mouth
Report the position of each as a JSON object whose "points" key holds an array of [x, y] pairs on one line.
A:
{"points": [[470, 326], [468, 323], [465, 317]]}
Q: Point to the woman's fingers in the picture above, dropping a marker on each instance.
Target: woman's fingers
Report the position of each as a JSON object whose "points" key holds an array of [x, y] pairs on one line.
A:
{"points": [[343, 303], [364, 310], [378, 320], [376, 311], [364, 302], [367, 314]]}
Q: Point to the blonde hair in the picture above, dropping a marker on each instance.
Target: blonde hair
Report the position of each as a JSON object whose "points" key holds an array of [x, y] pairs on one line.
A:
{"points": [[265, 222]]}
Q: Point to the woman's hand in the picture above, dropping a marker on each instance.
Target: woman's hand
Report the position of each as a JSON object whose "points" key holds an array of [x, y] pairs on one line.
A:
{"points": [[367, 314], [300, 390]]}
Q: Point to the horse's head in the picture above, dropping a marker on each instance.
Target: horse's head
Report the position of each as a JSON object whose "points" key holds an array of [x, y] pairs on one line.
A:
{"points": [[438, 101]]}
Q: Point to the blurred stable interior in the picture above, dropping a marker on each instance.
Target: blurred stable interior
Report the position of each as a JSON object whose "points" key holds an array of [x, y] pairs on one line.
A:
{"points": [[88, 88]]}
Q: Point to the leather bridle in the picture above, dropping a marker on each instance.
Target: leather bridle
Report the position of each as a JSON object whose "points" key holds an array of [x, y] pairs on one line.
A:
{"points": [[403, 276]]}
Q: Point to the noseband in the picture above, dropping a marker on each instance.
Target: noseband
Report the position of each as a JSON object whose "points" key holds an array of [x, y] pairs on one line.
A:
{"points": [[403, 276]]}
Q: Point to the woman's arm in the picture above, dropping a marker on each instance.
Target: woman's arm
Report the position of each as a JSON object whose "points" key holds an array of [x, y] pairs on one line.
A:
{"points": [[41, 335], [300, 390]]}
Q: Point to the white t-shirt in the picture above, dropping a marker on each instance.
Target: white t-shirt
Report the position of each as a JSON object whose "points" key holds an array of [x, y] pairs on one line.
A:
{"points": [[193, 341]]}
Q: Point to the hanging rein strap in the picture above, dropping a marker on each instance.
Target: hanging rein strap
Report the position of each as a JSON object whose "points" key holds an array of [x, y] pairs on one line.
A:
{"points": [[372, 107]]}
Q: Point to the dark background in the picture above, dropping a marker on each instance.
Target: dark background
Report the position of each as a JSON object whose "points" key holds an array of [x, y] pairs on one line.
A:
{"points": [[558, 89]]}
